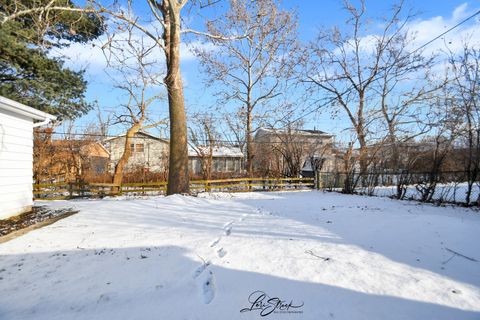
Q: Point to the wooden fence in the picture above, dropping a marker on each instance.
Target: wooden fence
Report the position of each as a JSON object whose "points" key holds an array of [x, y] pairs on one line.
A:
{"points": [[57, 191]]}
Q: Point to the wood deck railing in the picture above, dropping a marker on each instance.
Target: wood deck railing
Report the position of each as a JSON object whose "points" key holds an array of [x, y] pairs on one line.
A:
{"points": [[57, 191]]}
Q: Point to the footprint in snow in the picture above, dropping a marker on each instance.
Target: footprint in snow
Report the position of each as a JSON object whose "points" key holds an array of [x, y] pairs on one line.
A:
{"points": [[200, 269], [103, 298], [208, 288], [215, 242], [221, 253], [228, 228]]}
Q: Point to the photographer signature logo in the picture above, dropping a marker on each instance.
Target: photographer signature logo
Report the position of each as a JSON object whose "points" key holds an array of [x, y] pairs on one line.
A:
{"points": [[265, 305]]}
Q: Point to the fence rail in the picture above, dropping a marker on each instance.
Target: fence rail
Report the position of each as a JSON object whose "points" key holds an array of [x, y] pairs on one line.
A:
{"points": [[336, 180], [57, 191]]}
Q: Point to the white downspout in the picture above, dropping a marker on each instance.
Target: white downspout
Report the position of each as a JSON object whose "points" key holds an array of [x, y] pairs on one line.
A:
{"points": [[41, 123]]}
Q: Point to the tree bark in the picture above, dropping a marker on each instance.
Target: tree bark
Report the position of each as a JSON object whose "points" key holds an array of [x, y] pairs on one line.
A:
{"points": [[178, 178], [249, 140], [127, 152]]}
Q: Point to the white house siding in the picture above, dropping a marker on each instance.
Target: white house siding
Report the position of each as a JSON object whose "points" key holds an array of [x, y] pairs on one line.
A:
{"points": [[16, 161]]}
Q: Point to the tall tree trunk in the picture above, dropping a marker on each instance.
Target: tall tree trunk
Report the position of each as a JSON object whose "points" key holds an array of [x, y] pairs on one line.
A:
{"points": [[178, 178], [362, 139], [127, 152], [249, 140]]}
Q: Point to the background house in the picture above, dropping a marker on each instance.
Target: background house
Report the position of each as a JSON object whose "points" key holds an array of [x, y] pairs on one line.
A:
{"points": [[219, 160], [95, 158], [16, 155], [67, 159], [77, 159], [149, 153], [291, 152]]}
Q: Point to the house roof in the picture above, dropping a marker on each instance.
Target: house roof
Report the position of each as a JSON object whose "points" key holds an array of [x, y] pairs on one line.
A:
{"points": [[96, 149], [18, 108], [90, 148], [217, 152], [148, 135]]}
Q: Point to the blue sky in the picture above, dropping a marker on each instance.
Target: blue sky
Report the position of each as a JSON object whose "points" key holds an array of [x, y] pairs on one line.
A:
{"points": [[434, 17]]}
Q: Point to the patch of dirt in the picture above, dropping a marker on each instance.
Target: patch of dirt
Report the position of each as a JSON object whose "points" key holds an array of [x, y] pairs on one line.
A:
{"points": [[36, 216]]}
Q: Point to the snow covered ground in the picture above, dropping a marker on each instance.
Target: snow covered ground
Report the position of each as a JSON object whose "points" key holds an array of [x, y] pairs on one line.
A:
{"points": [[450, 192], [296, 255]]}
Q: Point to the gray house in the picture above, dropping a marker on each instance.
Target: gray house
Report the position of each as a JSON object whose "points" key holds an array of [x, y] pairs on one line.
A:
{"points": [[148, 152], [225, 160]]}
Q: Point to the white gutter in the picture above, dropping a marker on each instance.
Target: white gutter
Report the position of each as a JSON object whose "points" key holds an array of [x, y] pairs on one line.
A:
{"points": [[18, 108], [42, 123]]}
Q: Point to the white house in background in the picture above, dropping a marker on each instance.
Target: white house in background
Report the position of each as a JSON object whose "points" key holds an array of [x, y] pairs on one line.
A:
{"points": [[148, 152], [16, 155]]}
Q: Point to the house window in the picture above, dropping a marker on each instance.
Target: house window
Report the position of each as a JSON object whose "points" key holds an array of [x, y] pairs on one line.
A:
{"points": [[198, 166], [139, 147], [230, 165], [218, 165]]}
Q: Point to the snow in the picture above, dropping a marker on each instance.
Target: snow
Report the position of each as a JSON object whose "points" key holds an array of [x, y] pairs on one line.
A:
{"points": [[325, 255], [448, 192], [217, 151]]}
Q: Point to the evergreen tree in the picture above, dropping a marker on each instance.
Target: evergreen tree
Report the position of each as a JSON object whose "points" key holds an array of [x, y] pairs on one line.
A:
{"points": [[29, 75]]}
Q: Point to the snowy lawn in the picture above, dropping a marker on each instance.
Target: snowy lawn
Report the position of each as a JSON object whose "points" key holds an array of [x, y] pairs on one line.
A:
{"points": [[450, 192], [323, 255]]}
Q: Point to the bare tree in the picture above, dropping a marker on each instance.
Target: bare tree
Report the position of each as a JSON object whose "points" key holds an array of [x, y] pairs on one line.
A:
{"points": [[444, 119], [103, 123], [292, 148], [466, 86], [288, 150], [252, 70], [42, 150], [349, 168], [164, 27], [61, 157], [370, 78], [234, 131], [203, 139], [404, 88], [134, 70]]}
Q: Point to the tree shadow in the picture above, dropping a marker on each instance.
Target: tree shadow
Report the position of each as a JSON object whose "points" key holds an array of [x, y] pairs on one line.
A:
{"points": [[165, 282], [417, 235]]}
